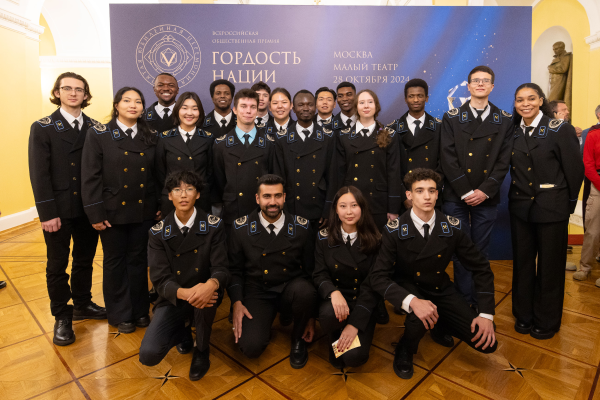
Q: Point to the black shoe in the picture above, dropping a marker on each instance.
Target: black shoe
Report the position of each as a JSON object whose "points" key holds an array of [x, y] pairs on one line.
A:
{"points": [[298, 354], [403, 363], [2, 284], [382, 314], [152, 295], [285, 319], [200, 364], [442, 338], [91, 311], [143, 321], [336, 363], [126, 327], [63, 332], [522, 327], [186, 345], [541, 334]]}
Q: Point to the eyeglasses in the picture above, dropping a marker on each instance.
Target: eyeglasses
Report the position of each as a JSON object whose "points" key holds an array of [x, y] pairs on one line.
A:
{"points": [[477, 81], [70, 89], [178, 192]]}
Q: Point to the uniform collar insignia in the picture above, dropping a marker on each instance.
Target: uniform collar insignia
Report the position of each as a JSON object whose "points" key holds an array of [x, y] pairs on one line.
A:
{"points": [[253, 227], [202, 226], [270, 129], [464, 116], [59, 125], [335, 124], [261, 142], [445, 227], [431, 125], [290, 230], [207, 121], [167, 233], [116, 134], [353, 134], [404, 230], [230, 141], [291, 137], [542, 132], [319, 136]]}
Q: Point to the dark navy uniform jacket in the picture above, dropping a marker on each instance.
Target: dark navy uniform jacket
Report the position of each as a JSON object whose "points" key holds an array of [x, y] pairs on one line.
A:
{"points": [[55, 151], [475, 157], [182, 262], [119, 180], [546, 172], [155, 121], [213, 125]]}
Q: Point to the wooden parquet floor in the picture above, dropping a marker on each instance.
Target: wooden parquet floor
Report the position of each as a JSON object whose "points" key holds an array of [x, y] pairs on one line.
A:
{"points": [[103, 364]]}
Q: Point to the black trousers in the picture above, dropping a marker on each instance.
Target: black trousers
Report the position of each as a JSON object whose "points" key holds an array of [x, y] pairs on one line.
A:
{"points": [[455, 318], [298, 298], [58, 249], [171, 325], [538, 290], [333, 328], [126, 271]]}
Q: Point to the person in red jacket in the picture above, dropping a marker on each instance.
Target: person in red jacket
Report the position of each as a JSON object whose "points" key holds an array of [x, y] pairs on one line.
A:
{"points": [[591, 161]]}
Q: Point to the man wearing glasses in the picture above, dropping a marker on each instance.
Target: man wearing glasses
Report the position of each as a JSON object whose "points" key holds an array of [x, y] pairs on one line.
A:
{"points": [[476, 142], [55, 148]]}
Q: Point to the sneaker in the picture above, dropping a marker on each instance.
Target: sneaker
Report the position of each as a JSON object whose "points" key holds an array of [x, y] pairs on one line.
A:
{"points": [[580, 275], [571, 266]]}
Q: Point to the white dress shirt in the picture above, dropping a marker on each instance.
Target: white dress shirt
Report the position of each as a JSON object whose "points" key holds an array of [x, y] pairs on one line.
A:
{"points": [[485, 113], [220, 117], [161, 110], [410, 121], [184, 133], [125, 127], [278, 224], [300, 129], [190, 222], [280, 127], [360, 127], [534, 123], [264, 118], [419, 225], [352, 119], [71, 119], [353, 236]]}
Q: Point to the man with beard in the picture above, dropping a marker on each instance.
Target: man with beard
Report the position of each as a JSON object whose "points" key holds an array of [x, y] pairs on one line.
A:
{"points": [[418, 135], [325, 98], [264, 93], [158, 115], [266, 254], [305, 158], [345, 98], [221, 120]]}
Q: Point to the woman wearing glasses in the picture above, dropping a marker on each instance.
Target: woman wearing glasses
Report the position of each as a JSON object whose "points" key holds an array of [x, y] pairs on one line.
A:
{"points": [[185, 147], [546, 175], [120, 199], [344, 254]]}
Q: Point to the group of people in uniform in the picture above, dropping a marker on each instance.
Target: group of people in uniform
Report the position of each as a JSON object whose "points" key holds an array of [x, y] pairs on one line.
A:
{"points": [[321, 218]]}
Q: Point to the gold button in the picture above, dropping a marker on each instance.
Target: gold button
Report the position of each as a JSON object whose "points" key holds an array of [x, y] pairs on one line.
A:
{"points": [[356, 281], [468, 170], [142, 154], [371, 179], [530, 183], [313, 171], [283, 253], [239, 164], [355, 178], [426, 159], [513, 167], [195, 250], [437, 288], [196, 269], [142, 185], [514, 182], [123, 203], [313, 184], [178, 272], [426, 147], [410, 160], [125, 170], [74, 178], [439, 256], [255, 162], [354, 298], [356, 269], [143, 169], [297, 184], [72, 164], [241, 194], [178, 158], [297, 197], [438, 272], [284, 270], [313, 156], [139, 201], [471, 139], [527, 154], [190, 158], [489, 139], [177, 255], [532, 198], [485, 171], [513, 153], [297, 170], [355, 165], [410, 171], [126, 153], [487, 155], [371, 193], [354, 288], [529, 169], [337, 279], [372, 152], [336, 265], [75, 193], [297, 158], [264, 255], [125, 186], [372, 166], [470, 154], [266, 272], [418, 274]]}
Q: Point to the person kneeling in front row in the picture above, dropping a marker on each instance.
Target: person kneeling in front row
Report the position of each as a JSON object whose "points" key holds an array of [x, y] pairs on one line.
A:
{"points": [[187, 254], [410, 273]]}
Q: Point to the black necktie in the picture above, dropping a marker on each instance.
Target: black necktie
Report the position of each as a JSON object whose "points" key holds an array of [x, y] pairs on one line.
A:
{"points": [[258, 120], [166, 114], [349, 123], [364, 132], [271, 230], [76, 127], [426, 231], [223, 123], [129, 133], [246, 140], [306, 133], [417, 127], [348, 242], [184, 231], [528, 130]]}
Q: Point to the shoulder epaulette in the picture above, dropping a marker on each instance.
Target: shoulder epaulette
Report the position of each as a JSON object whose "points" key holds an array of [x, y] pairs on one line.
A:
{"points": [[157, 228], [270, 138], [328, 132], [507, 115], [303, 222], [439, 121], [220, 139], [554, 124], [454, 222], [345, 131], [100, 128], [453, 113], [392, 226], [323, 234], [44, 122], [213, 220], [242, 221]]}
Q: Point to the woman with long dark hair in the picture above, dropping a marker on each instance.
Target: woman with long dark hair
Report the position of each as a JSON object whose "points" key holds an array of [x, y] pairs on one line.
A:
{"points": [[546, 176], [280, 104], [345, 252], [185, 147], [369, 158], [120, 199]]}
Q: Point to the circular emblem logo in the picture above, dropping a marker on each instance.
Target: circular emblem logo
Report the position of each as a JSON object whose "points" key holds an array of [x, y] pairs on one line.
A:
{"points": [[171, 49]]}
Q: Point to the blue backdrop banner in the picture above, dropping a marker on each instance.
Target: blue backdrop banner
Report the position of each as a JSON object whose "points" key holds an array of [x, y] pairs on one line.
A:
{"points": [[306, 47]]}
